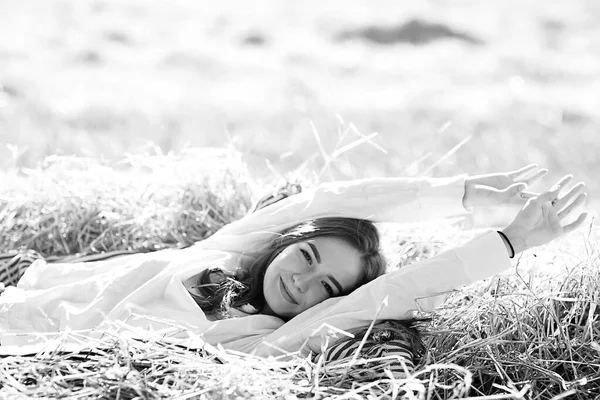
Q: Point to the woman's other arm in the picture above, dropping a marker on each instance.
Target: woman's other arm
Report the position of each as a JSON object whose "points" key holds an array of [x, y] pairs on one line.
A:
{"points": [[425, 285], [422, 287], [404, 200]]}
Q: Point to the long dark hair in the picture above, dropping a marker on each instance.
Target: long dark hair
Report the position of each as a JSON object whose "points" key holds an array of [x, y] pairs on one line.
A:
{"points": [[220, 290]]}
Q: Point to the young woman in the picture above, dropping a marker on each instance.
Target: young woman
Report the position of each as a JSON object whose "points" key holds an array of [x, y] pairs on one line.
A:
{"points": [[273, 280]]}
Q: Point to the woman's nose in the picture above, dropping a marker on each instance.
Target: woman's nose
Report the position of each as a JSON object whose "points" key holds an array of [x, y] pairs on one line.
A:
{"points": [[301, 282]]}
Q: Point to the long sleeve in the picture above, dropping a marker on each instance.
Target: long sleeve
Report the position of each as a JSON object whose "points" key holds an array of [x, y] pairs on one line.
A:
{"points": [[419, 287], [403, 200]]}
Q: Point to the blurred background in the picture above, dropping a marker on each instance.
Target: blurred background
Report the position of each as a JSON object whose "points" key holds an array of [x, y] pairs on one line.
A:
{"points": [[448, 86]]}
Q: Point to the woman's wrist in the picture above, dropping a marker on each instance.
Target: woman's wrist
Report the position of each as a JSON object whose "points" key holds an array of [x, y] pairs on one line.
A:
{"points": [[516, 243], [509, 247]]}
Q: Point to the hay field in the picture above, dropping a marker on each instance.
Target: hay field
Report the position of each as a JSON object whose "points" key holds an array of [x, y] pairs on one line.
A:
{"points": [[529, 333], [107, 109]]}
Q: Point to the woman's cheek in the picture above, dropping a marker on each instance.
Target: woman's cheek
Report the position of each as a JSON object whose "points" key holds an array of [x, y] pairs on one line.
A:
{"points": [[313, 298]]}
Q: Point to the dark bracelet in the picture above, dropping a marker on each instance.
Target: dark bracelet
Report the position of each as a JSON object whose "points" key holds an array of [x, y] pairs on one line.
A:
{"points": [[512, 249]]}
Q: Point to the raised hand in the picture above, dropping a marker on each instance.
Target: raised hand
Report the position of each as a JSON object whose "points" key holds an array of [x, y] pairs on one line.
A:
{"points": [[544, 217], [502, 187]]}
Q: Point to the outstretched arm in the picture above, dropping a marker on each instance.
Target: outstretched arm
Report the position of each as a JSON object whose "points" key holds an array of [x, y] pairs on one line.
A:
{"points": [[421, 286], [425, 285], [403, 200], [546, 217], [501, 187]]}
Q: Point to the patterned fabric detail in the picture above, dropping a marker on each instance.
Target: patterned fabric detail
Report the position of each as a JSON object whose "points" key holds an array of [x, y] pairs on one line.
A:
{"points": [[391, 345], [14, 264]]}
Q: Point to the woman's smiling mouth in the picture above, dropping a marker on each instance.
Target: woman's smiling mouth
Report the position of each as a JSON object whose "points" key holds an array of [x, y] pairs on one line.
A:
{"points": [[286, 294]]}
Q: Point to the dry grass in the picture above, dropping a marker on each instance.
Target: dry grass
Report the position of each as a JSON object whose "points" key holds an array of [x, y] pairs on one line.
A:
{"points": [[147, 202], [534, 331], [529, 335], [102, 78]]}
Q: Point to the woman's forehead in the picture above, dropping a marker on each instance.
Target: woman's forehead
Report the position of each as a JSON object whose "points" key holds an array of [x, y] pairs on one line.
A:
{"points": [[332, 242]]}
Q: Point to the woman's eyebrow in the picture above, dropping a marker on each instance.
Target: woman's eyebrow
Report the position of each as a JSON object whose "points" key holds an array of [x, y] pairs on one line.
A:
{"points": [[314, 249], [336, 283]]}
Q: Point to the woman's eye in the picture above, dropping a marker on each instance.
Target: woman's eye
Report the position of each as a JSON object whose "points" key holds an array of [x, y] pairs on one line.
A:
{"points": [[328, 288], [307, 256]]}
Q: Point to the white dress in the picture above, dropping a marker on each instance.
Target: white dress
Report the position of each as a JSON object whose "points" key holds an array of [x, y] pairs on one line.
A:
{"points": [[146, 291]]}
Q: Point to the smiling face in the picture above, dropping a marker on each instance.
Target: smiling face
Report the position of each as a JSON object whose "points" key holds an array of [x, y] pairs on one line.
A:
{"points": [[306, 273]]}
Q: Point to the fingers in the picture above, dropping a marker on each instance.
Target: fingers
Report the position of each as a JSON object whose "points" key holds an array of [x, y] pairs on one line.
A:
{"points": [[561, 202], [564, 181], [528, 195], [574, 225], [579, 201], [565, 205], [539, 175], [510, 194], [552, 194], [527, 174], [513, 190], [516, 173], [548, 195]]}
